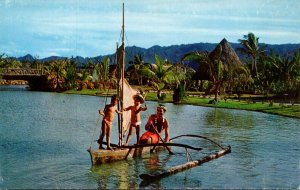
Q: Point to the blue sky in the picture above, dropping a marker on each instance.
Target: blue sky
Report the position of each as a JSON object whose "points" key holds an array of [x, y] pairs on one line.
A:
{"points": [[90, 28]]}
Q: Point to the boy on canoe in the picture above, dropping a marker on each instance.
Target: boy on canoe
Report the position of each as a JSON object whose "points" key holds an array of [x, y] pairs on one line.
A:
{"points": [[108, 118], [156, 124], [135, 121]]}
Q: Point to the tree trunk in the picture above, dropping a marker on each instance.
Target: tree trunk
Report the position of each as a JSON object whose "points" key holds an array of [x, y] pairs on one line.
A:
{"points": [[57, 80], [159, 94], [217, 90], [201, 85]]}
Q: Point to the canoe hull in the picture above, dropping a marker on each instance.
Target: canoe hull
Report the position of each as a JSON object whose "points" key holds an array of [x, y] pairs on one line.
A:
{"points": [[101, 156]]}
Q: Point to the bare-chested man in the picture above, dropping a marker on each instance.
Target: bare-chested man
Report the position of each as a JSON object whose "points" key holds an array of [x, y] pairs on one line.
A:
{"points": [[108, 118], [157, 123], [135, 121]]}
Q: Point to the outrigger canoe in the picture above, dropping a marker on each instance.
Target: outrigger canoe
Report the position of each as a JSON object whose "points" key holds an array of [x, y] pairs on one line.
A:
{"points": [[102, 156]]}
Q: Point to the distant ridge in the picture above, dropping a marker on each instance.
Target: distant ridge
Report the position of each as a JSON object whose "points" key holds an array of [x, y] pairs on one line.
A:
{"points": [[26, 58], [173, 53]]}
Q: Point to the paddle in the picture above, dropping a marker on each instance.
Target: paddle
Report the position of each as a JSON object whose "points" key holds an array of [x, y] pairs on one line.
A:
{"points": [[170, 152]]}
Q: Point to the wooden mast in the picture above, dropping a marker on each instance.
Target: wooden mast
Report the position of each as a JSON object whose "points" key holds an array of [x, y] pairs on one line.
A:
{"points": [[122, 78], [119, 93]]}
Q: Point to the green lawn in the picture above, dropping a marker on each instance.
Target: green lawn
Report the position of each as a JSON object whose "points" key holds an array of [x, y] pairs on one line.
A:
{"points": [[244, 104], [92, 92], [284, 110]]}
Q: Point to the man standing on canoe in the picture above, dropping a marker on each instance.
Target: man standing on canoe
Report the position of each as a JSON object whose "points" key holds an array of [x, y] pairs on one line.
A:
{"points": [[135, 121], [108, 116], [156, 124]]}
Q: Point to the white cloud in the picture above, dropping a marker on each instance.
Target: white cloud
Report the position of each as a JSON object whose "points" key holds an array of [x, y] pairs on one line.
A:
{"points": [[92, 27]]}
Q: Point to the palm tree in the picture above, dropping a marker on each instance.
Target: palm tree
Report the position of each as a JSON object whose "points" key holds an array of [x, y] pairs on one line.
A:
{"points": [[71, 76], [237, 76], [267, 72], [287, 71], [55, 70], [102, 70], [161, 74], [251, 48], [58, 68], [135, 69], [186, 82], [214, 65]]}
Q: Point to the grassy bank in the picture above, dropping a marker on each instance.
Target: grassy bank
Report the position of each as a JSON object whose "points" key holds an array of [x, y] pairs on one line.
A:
{"points": [[244, 104]]}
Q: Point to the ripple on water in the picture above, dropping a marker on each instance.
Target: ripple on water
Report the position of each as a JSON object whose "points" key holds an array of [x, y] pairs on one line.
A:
{"points": [[44, 136]]}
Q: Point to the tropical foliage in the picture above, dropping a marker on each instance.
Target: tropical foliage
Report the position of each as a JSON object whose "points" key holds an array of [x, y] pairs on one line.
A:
{"points": [[261, 72], [8, 62], [280, 75], [161, 75], [251, 48], [135, 69], [272, 73], [222, 75]]}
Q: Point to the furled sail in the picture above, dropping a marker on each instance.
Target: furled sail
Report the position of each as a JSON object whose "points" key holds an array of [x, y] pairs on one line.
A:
{"points": [[128, 93], [125, 92]]}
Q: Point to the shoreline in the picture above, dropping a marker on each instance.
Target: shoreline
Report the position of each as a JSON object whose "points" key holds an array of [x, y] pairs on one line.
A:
{"points": [[276, 108], [245, 103], [4, 82]]}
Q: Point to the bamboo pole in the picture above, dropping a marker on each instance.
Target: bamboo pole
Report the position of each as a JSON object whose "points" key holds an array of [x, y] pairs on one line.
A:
{"points": [[180, 168], [122, 77], [169, 150], [164, 145], [156, 144]]}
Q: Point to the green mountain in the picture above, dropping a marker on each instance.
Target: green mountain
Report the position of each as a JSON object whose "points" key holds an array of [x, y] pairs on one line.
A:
{"points": [[173, 53]]}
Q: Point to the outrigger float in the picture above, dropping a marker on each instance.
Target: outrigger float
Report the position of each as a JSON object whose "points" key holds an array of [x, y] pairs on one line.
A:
{"points": [[121, 152], [191, 163]]}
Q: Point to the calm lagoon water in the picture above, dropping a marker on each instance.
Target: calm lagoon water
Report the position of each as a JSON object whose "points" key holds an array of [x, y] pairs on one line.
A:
{"points": [[44, 137]]}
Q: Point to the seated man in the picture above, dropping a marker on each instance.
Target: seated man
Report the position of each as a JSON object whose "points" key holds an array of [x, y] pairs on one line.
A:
{"points": [[156, 124]]}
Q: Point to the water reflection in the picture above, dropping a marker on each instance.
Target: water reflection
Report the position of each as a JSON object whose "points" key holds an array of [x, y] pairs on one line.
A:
{"points": [[235, 119], [152, 164], [124, 174], [238, 126], [265, 148], [14, 88], [116, 177]]}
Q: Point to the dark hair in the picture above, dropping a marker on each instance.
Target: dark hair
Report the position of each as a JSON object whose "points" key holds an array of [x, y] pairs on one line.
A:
{"points": [[163, 107], [114, 97]]}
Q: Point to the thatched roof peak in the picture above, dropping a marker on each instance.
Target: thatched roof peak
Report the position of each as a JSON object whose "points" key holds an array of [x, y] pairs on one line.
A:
{"points": [[228, 55], [224, 41]]}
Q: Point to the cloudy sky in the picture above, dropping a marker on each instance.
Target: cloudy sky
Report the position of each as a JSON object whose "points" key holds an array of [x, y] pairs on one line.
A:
{"points": [[90, 28]]}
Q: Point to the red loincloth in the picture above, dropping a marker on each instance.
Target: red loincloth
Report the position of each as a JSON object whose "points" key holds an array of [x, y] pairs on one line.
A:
{"points": [[153, 136]]}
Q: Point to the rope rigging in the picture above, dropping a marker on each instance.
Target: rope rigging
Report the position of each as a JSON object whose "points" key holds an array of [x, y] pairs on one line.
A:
{"points": [[94, 131]]}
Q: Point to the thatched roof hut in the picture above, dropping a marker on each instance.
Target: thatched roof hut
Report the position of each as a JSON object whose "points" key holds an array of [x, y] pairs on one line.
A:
{"points": [[228, 57], [201, 73]]}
